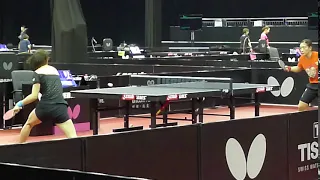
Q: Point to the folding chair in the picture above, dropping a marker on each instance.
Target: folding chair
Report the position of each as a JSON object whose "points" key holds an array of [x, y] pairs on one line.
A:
{"points": [[20, 77]]}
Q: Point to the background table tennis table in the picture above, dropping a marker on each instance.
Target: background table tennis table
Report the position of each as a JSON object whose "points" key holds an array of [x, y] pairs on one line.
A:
{"points": [[194, 91]]}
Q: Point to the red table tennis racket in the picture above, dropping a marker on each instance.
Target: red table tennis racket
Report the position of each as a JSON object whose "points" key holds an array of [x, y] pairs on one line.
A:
{"points": [[163, 107], [9, 114]]}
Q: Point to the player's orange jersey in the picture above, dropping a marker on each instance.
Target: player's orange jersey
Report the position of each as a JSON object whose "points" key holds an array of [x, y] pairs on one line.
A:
{"points": [[310, 65]]}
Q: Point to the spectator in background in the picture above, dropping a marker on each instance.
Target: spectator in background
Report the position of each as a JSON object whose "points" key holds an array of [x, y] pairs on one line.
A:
{"points": [[245, 43], [264, 34], [24, 45]]}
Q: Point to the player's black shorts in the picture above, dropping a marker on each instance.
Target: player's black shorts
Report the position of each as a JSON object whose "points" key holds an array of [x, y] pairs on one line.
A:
{"points": [[310, 93], [56, 113]]}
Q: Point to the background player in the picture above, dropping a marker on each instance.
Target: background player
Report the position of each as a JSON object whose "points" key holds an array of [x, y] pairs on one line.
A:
{"points": [[264, 34], [309, 63], [245, 43], [52, 106], [24, 45]]}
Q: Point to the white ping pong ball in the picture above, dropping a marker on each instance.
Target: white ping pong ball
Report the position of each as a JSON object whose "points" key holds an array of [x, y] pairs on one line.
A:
{"points": [[110, 85]]}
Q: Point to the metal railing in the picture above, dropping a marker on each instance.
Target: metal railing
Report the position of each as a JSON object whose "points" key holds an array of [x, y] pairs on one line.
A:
{"points": [[246, 22]]}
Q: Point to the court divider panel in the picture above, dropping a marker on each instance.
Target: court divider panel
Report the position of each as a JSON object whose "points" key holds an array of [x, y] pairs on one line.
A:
{"points": [[198, 61], [179, 68], [17, 172], [164, 153], [8, 63], [292, 85], [187, 61], [64, 154], [243, 148], [113, 69], [303, 145], [201, 61], [103, 69], [161, 65]]}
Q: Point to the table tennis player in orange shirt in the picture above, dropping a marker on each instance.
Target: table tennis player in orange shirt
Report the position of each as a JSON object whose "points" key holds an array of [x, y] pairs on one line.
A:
{"points": [[309, 63]]}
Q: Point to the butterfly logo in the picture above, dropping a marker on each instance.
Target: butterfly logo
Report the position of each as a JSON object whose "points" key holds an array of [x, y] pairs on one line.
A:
{"points": [[7, 66], [74, 114], [239, 165], [291, 59], [286, 87]]}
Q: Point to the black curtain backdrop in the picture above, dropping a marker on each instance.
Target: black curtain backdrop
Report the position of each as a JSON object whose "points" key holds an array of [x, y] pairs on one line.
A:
{"points": [[69, 32], [153, 23], [125, 20], [1, 22], [34, 14]]}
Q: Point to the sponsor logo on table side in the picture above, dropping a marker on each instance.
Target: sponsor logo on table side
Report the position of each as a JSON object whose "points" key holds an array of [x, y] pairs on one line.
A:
{"points": [[172, 97], [140, 99], [264, 89], [269, 88], [176, 97], [260, 89], [128, 97], [143, 98]]}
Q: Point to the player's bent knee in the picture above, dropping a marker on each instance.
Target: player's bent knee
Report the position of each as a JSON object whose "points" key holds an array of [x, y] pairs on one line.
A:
{"points": [[29, 125], [32, 122]]}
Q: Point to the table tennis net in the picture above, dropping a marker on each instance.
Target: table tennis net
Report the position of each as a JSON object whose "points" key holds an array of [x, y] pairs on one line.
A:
{"points": [[180, 81]]}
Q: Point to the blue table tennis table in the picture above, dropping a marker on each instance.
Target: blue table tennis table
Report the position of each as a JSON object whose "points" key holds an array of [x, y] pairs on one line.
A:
{"points": [[166, 89]]}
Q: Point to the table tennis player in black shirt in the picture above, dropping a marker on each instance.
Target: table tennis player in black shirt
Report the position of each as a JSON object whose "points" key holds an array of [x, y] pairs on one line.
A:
{"points": [[245, 43], [52, 106]]}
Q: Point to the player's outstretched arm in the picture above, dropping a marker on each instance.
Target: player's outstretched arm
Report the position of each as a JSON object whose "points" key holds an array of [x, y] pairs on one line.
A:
{"points": [[294, 69]]}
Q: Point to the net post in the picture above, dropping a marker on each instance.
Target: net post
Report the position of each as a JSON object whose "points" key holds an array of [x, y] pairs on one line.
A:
{"points": [[129, 80], [98, 82], [231, 86]]}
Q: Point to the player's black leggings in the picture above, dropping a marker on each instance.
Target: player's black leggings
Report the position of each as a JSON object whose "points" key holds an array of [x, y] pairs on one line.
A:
{"points": [[310, 93]]}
